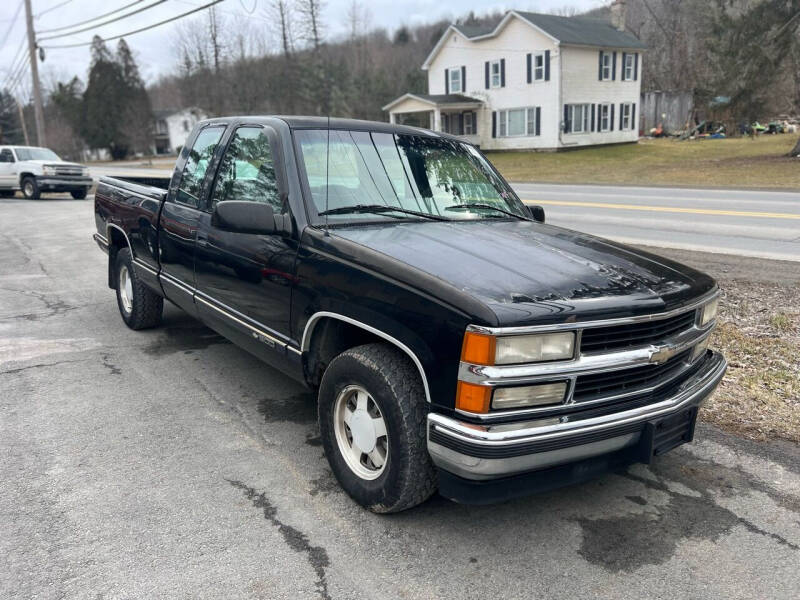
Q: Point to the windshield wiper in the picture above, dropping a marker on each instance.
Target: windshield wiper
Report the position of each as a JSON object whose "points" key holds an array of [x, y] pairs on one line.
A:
{"points": [[379, 208], [490, 207]]}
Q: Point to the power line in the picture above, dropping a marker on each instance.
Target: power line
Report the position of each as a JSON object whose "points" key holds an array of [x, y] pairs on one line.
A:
{"points": [[79, 23], [96, 25], [51, 9], [141, 29], [11, 25], [17, 56], [15, 69]]}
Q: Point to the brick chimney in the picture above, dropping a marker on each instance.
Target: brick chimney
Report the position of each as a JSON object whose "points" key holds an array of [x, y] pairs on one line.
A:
{"points": [[618, 14]]}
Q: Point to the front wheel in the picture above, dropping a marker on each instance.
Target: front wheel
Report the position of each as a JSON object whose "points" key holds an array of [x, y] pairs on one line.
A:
{"points": [[30, 189], [372, 419], [139, 306], [79, 194]]}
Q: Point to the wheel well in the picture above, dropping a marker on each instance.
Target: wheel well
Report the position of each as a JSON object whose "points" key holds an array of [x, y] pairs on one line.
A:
{"points": [[22, 176], [331, 336], [116, 242]]}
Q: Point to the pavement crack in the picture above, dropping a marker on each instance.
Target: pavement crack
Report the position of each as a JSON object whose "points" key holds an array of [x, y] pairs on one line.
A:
{"points": [[114, 369], [297, 540], [53, 364]]}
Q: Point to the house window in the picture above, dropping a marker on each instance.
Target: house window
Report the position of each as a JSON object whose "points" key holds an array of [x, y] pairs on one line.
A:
{"points": [[605, 117], [455, 80], [626, 116], [538, 67], [607, 56], [495, 73], [578, 117], [627, 73], [517, 122], [469, 125]]}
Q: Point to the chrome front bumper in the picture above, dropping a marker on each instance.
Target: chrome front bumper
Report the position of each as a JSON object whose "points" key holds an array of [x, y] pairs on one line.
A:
{"points": [[492, 451]]}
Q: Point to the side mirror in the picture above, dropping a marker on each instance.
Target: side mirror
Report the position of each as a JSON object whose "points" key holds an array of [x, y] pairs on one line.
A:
{"points": [[244, 217], [535, 212]]}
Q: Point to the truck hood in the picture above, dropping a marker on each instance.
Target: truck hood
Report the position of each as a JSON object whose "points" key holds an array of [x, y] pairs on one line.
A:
{"points": [[53, 163], [529, 272]]}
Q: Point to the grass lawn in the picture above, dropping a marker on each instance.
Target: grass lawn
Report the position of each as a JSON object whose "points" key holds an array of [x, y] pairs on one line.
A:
{"points": [[735, 162]]}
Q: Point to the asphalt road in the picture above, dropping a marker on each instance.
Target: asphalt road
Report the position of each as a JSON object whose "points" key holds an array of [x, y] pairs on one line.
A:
{"points": [[171, 464], [746, 223]]}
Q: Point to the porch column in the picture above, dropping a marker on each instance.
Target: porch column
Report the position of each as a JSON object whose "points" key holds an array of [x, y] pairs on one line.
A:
{"points": [[437, 119], [392, 118]]}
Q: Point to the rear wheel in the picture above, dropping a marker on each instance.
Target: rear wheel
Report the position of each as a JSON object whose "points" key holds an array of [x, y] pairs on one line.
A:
{"points": [[79, 194], [139, 306], [30, 189], [372, 419]]}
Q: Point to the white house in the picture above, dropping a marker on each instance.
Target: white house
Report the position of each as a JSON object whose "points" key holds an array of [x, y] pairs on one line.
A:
{"points": [[533, 81], [173, 126]]}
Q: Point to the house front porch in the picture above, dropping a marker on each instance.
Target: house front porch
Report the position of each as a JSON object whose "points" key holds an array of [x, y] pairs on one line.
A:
{"points": [[455, 114]]}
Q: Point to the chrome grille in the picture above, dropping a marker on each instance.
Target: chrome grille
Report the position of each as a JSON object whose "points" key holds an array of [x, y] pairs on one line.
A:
{"points": [[632, 335], [68, 170]]}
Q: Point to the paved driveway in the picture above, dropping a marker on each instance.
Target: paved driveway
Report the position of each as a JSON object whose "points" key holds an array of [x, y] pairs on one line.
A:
{"points": [[171, 464]]}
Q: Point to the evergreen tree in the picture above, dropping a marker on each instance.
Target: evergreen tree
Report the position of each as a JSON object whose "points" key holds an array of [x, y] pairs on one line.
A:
{"points": [[10, 127], [104, 103], [136, 115]]}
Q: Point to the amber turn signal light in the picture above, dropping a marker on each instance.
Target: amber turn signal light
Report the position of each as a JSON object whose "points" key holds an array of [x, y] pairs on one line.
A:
{"points": [[478, 349], [473, 398]]}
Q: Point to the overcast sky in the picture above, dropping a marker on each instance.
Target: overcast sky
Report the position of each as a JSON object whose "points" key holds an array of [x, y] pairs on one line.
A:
{"points": [[155, 49]]}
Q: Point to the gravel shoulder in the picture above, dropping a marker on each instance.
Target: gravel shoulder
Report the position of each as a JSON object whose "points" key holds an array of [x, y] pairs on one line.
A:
{"points": [[759, 333]]}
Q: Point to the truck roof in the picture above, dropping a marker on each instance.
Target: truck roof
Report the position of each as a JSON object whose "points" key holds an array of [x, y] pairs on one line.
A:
{"points": [[305, 122]]}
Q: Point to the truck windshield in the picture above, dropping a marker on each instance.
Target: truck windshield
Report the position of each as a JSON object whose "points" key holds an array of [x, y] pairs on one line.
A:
{"points": [[36, 154], [371, 172]]}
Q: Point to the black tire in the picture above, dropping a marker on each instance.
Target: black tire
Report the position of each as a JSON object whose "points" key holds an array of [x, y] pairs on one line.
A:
{"points": [[409, 477], [79, 194], [30, 189], [146, 306]]}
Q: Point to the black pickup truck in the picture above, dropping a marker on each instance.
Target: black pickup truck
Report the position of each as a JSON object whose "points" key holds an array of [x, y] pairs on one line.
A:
{"points": [[456, 341]]}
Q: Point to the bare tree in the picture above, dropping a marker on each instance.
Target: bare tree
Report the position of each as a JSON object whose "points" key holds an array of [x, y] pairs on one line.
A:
{"points": [[310, 12]]}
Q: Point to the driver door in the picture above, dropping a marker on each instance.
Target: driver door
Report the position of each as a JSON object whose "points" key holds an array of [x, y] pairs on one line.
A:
{"points": [[244, 281], [8, 176]]}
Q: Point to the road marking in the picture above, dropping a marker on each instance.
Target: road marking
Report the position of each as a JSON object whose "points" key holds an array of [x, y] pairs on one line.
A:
{"points": [[672, 209]]}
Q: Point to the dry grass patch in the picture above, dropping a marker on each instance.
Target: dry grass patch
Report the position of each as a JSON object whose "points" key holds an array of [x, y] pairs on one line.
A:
{"points": [[735, 162], [759, 333]]}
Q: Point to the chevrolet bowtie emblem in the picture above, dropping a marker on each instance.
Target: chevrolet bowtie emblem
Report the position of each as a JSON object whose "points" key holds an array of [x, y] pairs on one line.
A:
{"points": [[662, 354]]}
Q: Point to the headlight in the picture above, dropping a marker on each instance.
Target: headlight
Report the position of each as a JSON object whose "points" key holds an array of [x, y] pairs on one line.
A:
{"points": [[481, 349], [709, 312], [85, 171], [529, 395], [700, 348], [49, 170]]}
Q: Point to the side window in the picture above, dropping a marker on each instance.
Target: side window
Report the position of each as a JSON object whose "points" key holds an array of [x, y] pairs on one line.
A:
{"points": [[196, 164], [247, 171], [6, 156]]}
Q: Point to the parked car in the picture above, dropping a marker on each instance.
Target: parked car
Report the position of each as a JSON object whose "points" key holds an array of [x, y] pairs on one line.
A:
{"points": [[36, 170], [455, 340]]}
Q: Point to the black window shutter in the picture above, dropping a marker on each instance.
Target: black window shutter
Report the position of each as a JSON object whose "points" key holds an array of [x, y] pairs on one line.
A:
{"points": [[461, 124], [447, 81], [621, 110], [624, 58], [566, 118], [613, 66], [494, 121], [474, 123], [463, 79], [594, 108], [600, 67], [486, 65], [538, 120], [634, 124], [547, 65], [502, 72], [611, 119], [529, 58], [636, 66]]}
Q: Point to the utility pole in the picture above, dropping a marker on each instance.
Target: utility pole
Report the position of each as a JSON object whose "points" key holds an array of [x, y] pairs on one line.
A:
{"points": [[37, 90]]}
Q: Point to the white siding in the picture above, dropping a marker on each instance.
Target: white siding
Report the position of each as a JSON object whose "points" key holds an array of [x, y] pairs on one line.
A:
{"points": [[573, 79], [583, 86], [513, 44]]}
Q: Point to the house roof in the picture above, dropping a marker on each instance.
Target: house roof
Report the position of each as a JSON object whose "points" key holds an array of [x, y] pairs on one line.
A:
{"points": [[583, 31], [573, 31], [435, 99]]}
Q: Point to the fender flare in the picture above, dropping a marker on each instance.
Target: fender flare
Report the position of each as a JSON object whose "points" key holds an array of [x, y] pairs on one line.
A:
{"points": [[318, 316]]}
